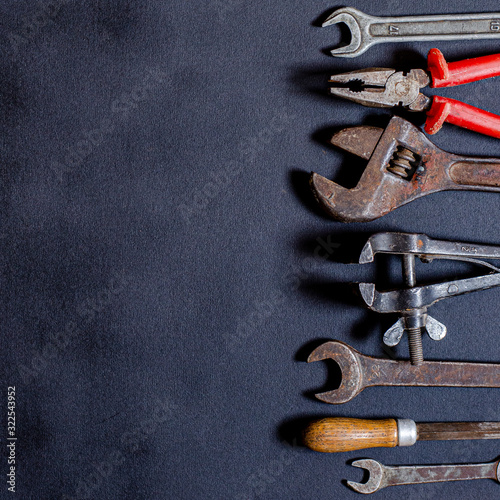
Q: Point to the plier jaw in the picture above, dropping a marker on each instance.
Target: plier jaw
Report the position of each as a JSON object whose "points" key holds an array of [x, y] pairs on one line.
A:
{"points": [[383, 88]]}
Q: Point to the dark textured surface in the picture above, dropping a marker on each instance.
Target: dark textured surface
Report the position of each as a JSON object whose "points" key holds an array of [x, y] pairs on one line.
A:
{"points": [[161, 285]]}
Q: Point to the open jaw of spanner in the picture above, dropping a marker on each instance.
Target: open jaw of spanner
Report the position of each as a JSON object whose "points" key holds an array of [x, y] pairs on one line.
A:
{"points": [[403, 165], [359, 371], [369, 30], [382, 476]]}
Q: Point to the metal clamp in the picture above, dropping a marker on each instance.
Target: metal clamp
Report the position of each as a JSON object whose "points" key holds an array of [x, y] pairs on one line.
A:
{"points": [[412, 302]]}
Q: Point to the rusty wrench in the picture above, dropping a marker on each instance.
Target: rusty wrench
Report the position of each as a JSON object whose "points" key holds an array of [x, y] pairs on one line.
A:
{"points": [[369, 30], [359, 371], [403, 165], [382, 476]]}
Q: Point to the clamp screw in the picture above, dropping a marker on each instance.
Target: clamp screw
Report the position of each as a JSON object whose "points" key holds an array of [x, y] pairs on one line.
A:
{"points": [[415, 343], [414, 332]]}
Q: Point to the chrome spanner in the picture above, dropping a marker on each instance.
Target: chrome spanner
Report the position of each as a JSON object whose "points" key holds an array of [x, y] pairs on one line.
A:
{"points": [[369, 30], [382, 476]]}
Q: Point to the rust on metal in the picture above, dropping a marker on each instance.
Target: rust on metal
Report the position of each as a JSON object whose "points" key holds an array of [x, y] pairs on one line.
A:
{"points": [[465, 173], [382, 476], [403, 165], [359, 371]]}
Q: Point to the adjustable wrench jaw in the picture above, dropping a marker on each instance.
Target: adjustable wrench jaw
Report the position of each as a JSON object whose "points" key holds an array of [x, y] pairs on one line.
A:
{"points": [[403, 166]]}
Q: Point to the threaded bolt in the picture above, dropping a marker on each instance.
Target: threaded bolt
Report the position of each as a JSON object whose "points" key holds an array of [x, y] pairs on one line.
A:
{"points": [[415, 344]]}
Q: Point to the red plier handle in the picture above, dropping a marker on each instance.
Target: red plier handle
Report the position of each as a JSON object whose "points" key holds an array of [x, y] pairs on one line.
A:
{"points": [[458, 113]]}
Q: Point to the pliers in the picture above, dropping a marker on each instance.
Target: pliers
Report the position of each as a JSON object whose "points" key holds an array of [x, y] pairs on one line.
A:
{"points": [[387, 87]]}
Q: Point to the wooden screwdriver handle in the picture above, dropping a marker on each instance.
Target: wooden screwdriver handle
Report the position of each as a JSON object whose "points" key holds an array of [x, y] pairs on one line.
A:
{"points": [[332, 435]]}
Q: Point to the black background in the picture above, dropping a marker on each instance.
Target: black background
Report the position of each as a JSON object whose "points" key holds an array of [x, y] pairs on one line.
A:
{"points": [[160, 286]]}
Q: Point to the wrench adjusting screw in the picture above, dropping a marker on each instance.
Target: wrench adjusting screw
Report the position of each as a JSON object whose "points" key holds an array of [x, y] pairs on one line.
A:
{"points": [[404, 163]]}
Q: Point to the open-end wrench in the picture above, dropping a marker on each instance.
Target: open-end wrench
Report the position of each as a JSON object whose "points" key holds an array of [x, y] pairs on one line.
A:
{"points": [[382, 476], [369, 30], [359, 371]]}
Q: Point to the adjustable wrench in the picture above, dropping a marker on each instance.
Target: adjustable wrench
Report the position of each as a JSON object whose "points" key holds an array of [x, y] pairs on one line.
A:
{"points": [[359, 371], [382, 476], [369, 30], [403, 165]]}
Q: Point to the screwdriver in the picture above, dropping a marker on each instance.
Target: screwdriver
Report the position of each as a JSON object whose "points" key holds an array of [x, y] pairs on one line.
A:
{"points": [[333, 435]]}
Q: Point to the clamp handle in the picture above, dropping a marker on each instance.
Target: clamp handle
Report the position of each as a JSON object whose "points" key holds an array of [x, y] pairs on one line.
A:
{"points": [[463, 115], [460, 72]]}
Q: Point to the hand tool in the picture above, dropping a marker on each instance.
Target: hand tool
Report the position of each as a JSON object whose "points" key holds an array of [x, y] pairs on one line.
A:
{"points": [[387, 88], [382, 476], [411, 302], [359, 371], [403, 165], [369, 30], [334, 435]]}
